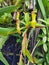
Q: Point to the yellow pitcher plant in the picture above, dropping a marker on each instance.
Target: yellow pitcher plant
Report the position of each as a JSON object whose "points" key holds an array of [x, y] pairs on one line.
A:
{"points": [[18, 22], [33, 22]]}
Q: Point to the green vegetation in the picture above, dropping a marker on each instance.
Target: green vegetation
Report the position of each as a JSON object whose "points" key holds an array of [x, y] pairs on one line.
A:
{"points": [[30, 20]]}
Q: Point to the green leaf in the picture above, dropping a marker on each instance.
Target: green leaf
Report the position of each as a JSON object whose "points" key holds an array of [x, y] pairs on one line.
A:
{"points": [[47, 57], [39, 54], [39, 43], [3, 59], [47, 21], [41, 20], [44, 39], [42, 8], [18, 40], [8, 9], [45, 63], [21, 62], [6, 31], [27, 3], [39, 25], [1, 1], [45, 47], [44, 30], [6, 18], [2, 41], [40, 61], [27, 18], [28, 55], [22, 22], [46, 5], [39, 64]]}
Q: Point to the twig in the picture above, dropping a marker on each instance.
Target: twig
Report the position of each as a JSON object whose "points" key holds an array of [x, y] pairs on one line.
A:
{"points": [[33, 51]]}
